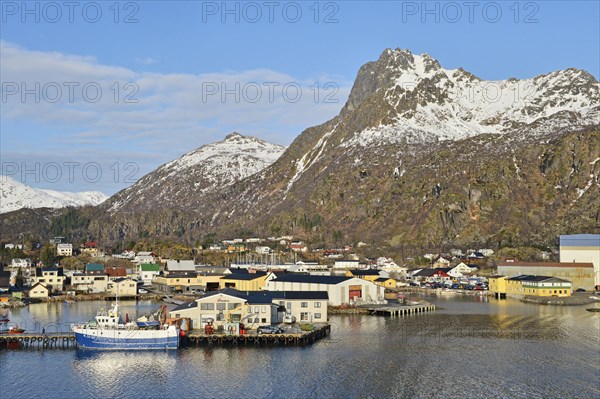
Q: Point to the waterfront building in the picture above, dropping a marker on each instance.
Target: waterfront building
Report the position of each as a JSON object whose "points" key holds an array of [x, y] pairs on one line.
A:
{"points": [[178, 282], [580, 274], [341, 289], [91, 283], [54, 278], [180, 266], [531, 285], [123, 286], [583, 248], [39, 290], [253, 308], [386, 282]]}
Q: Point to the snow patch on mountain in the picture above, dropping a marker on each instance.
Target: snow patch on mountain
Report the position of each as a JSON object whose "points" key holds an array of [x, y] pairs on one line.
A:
{"points": [[15, 195], [436, 104], [206, 169]]}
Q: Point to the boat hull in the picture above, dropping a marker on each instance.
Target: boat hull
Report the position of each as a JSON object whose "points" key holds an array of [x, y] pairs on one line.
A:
{"points": [[125, 340]]}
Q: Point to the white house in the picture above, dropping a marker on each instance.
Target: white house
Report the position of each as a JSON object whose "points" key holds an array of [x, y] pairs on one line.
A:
{"points": [[264, 250], [459, 270], [345, 264], [340, 289], [89, 283], [39, 290], [145, 257], [123, 286], [180, 266], [20, 262], [64, 249]]}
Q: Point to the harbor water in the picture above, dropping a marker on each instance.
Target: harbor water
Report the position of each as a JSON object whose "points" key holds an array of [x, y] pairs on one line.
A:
{"points": [[475, 347]]}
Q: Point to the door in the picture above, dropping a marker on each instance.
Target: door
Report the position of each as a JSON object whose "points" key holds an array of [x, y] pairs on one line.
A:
{"points": [[355, 291]]}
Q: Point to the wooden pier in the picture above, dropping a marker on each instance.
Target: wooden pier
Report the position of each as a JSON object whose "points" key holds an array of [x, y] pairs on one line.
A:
{"points": [[401, 310], [199, 338], [39, 341]]}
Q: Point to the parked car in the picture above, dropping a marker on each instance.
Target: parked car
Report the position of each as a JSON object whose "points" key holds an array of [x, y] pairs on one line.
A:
{"points": [[580, 290], [269, 330], [142, 291], [289, 319]]}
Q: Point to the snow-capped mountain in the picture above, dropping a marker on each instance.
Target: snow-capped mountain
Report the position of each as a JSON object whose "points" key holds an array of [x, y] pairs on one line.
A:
{"points": [[179, 183], [16, 195], [424, 102]]}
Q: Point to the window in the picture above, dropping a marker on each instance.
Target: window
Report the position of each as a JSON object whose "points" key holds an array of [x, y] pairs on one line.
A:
{"points": [[207, 306], [221, 306], [304, 304], [317, 315], [281, 303], [263, 320], [304, 316], [231, 306], [263, 309], [317, 304], [256, 309], [220, 317], [256, 320]]}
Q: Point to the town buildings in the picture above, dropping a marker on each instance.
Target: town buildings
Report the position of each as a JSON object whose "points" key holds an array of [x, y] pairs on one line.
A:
{"points": [[581, 275], [531, 285]]}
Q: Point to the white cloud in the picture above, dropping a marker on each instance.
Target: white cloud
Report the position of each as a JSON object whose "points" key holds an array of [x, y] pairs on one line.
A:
{"points": [[83, 104]]}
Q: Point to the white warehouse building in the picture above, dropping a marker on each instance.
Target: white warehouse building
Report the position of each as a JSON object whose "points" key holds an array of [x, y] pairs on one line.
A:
{"points": [[340, 289], [581, 248]]}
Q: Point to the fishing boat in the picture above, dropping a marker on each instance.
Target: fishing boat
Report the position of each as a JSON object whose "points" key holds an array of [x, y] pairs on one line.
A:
{"points": [[107, 331]]}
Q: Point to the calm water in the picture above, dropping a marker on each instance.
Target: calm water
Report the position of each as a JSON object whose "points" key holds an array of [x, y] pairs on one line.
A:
{"points": [[468, 348]]}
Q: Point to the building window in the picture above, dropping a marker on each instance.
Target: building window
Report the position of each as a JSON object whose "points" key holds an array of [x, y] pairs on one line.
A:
{"points": [[317, 315], [304, 304], [304, 316], [256, 309], [207, 306], [256, 320], [231, 306], [221, 306], [317, 304], [263, 320], [264, 310]]}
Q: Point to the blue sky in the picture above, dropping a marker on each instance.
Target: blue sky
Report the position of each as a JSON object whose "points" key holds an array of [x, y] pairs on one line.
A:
{"points": [[164, 68]]}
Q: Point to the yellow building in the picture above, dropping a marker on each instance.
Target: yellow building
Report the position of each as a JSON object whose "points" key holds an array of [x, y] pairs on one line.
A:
{"points": [[366, 274], [581, 274], [386, 282], [497, 285], [123, 287], [244, 281], [538, 286]]}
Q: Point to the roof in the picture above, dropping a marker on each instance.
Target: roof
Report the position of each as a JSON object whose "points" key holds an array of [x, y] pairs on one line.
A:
{"points": [[546, 264], [267, 297], [40, 284], [307, 278], [58, 270], [120, 279], [429, 272], [527, 277], [243, 276], [185, 306], [145, 254], [365, 272], [94, 267], [181, 275], [150, 267], [116, 271], [180, 265], [580, 240], [383, 279]]}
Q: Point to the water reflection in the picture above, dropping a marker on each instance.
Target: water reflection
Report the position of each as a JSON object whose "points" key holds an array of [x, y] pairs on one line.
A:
{"points": [[469, 347]]}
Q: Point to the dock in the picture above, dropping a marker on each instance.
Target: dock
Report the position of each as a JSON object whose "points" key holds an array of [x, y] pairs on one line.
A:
{"points": [[400, 310], [39, 341], [199, 338]]}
